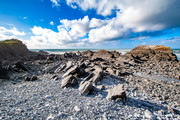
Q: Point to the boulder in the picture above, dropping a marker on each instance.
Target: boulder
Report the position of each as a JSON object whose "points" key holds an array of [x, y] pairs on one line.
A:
{"points": [[86, 87], [21, 66], [117, 92], [69, 81], [73, 70]]}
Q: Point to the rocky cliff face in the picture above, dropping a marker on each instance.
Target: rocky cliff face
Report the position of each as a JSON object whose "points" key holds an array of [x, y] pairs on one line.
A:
{"points": [[152, 52], [11, 49]]}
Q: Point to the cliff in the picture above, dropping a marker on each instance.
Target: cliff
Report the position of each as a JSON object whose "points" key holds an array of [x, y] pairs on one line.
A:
{"points": [[11, 49]]}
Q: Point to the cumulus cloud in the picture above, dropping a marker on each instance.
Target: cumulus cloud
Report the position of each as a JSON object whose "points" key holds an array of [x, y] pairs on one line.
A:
{"points": [[76, 28], [148, 16], [70, 32], [6, 33]]}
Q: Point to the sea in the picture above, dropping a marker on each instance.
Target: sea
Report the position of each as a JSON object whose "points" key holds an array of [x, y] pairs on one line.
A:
{"points": [[122, 51]]}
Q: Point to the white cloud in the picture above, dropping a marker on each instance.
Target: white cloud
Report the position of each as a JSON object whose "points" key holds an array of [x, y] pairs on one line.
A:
{"points": [[76, 28], [51, 23], [55, 2], [10, 33], [97, 23], [131, 17]]}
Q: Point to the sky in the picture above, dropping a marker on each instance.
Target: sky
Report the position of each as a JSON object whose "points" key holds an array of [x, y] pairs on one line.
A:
{"points": [[91, 24]]}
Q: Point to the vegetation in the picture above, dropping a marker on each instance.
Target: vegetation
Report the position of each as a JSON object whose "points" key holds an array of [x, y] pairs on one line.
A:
{"points": [[11, 41]]}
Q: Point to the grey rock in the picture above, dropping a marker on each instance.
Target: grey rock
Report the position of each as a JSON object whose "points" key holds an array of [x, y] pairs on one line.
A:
{"points": [[86, 87], [73, 70], [117, 92], [149, 115], [69, 81], [97, 75]]}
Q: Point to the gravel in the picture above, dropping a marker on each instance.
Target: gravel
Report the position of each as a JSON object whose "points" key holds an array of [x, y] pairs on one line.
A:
{"points": [[45, 99]]}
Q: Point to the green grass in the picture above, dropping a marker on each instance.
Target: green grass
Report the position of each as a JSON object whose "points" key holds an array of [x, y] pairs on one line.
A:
{"points": [[11, 41]]}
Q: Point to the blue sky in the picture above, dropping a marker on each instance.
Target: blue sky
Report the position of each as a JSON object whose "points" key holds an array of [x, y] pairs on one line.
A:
{"points": [[108, 24]]}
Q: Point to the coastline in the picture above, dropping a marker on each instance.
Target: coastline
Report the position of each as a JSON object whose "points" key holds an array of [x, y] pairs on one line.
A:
{"points": [[123, 51]]}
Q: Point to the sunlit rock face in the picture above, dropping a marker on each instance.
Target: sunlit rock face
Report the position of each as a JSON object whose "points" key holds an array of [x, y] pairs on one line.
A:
{"points": [[152, 52]]}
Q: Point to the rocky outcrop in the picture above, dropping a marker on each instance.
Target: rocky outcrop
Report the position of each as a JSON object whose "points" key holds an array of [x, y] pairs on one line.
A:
{"points": [[10, 49], [104, 54], [152, 52]]}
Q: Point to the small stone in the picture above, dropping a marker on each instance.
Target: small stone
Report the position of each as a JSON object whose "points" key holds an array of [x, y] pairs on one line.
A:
{"points": [[77, 109], [149, 115], [104, 116], [48, 96]]}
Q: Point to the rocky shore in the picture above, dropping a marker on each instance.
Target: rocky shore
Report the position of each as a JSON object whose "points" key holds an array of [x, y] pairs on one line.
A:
{"points": [[142, 84]]}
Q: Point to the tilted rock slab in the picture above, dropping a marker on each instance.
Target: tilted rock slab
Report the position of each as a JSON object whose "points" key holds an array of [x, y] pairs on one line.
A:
{"points": [[117, 92], [69, 81], [73, 70], [97, 74], [86, 87]]}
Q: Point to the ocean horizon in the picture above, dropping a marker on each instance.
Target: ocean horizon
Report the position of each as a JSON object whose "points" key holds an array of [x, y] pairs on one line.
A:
{"points": [[122, 51]]}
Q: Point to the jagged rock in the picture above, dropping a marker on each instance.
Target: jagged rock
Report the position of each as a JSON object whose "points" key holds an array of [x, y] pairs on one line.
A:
{"points": [[69, 81], [69, 64], [60, 68], [73, 70], [86, 87], [53, 76], [117, 92], [97, 74], [32, 78], [110, 71], [21, 66]]}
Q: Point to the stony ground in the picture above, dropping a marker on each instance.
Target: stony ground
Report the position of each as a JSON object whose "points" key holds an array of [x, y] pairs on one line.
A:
{"points": [[45, 99]]}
